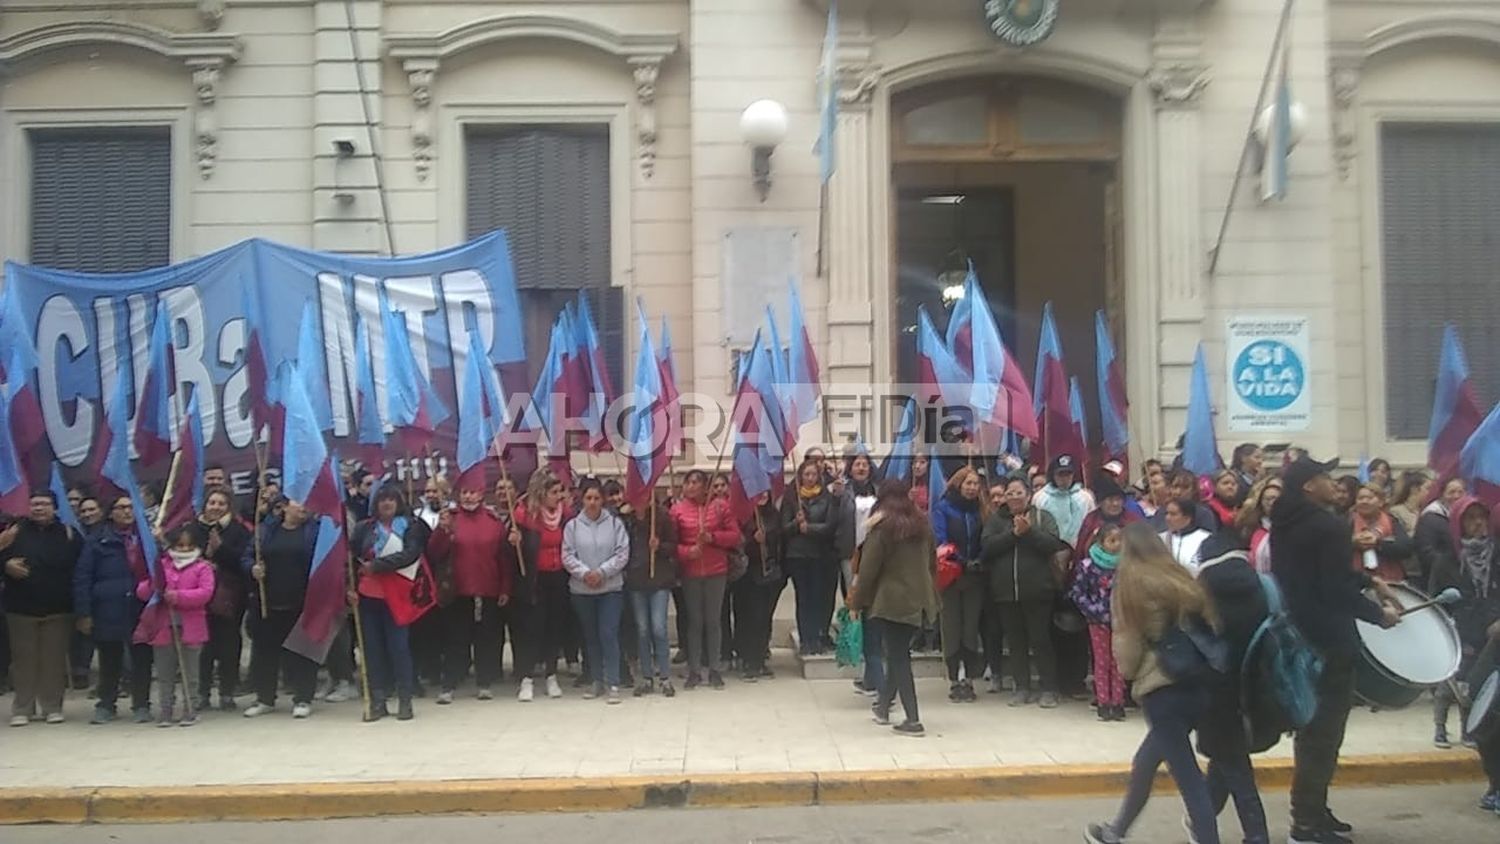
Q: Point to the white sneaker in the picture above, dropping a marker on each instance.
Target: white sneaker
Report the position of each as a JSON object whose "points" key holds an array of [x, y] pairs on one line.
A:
{"points": [[342, 692], [302, 710], [554, 691], [55, 718], [255, 710], [485, 694], [19, 721], [444, 697], [525, 694]]}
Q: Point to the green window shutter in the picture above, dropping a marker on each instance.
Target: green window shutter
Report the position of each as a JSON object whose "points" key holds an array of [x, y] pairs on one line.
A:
{"points": [[1440, 195], [548, 187], [101, 198]]}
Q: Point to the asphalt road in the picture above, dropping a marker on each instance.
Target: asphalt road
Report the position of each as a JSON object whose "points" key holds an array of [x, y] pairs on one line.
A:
{"points": [[1393, 815]]}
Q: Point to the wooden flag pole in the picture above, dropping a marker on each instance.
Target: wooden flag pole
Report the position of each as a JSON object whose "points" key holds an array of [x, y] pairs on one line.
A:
{"points": [[510, 506], [174, 622], [166, 495], [260, 506], [760, 528], [409, 472], [651, 569], [359, 634]]}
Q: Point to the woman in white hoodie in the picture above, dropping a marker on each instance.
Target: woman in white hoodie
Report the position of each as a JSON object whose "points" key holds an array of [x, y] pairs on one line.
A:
{"points": [[1183, 537], [595, 551]]}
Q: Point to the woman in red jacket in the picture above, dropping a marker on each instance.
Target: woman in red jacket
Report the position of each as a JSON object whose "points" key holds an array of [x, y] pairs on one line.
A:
{"points": [[706, 533], [476, 541], [541, 593]]}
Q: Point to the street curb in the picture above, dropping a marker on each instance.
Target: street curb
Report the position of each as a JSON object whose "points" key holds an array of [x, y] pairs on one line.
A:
{"points": [[316, 801]]}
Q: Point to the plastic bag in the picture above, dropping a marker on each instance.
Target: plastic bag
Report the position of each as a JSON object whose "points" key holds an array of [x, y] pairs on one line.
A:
{"points": [[849, 648]]}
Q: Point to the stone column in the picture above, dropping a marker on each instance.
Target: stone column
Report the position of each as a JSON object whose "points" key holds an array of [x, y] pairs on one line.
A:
{"points": [[848, 244], [347, 214], [1177, 80]]}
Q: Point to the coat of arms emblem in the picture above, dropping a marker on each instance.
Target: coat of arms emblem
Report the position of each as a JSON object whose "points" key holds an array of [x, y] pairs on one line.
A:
{"points": [[1021, 22]]}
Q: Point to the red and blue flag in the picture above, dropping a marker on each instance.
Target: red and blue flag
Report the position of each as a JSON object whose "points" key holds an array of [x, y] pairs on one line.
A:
{"points": [[1455, 408], [1114, 409], [153, 416]]}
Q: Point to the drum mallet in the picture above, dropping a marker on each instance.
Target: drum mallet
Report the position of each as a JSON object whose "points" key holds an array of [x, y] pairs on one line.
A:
{"points": [[1443, 599]]}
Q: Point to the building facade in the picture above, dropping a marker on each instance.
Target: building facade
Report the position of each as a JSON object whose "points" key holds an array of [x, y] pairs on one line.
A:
{"points": [[1091, 169]]}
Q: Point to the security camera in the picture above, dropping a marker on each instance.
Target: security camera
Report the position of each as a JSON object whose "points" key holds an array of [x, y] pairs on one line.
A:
{"points": [[344, 147]]}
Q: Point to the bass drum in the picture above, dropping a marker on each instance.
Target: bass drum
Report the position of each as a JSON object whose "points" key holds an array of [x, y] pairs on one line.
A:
{"points": [[1396, 665], [1484, 711]]}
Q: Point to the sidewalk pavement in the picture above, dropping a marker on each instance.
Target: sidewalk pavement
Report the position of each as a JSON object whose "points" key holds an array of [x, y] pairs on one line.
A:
{"points": [[780, 726]]}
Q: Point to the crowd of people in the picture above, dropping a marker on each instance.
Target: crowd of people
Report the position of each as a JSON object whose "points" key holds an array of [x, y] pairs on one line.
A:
{"points": [[1018, 574]]}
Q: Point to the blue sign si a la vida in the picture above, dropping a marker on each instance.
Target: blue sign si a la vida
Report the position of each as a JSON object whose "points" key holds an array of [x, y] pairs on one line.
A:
{"points": [[1269, 375]]}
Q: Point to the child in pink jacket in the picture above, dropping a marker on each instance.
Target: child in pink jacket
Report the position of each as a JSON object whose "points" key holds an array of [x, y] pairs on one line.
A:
{"points": [[184, 588]]}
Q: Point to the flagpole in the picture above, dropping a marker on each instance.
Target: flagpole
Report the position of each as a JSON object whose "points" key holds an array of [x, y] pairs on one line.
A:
{"points": [[359, 630], [651, 570], [822, 228], [409, 473], [510, 505], [166, 496], [260, 504], [760, 528], [1260, 104], [173, 619]]}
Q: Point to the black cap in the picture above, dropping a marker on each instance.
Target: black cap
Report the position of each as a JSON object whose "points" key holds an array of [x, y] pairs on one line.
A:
{"points": [[1061, 462], [1105, 486], [1305, 468]]}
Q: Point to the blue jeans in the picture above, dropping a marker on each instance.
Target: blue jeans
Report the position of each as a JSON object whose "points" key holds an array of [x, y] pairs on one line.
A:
{"points": [[1172, 713], [599, 616], [1234, 776], [651, 631], [388, 651], [874, 653]]}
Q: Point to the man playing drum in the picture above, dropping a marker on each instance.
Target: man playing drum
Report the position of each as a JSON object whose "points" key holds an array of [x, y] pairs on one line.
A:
{"points": [[1310, 552]]}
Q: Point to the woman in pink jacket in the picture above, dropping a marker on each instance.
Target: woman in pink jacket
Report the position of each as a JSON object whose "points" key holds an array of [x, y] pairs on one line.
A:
{"points": [[184, 586], [706, 534]]}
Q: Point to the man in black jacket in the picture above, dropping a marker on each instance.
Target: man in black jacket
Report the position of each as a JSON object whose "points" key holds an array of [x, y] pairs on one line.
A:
{"points": [[1310, 552], [40, 554]]}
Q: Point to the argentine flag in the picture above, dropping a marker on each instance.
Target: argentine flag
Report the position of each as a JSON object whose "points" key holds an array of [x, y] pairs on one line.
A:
{"points": [[1278, 138]]}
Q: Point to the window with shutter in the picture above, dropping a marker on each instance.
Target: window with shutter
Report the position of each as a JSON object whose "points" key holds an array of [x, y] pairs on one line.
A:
{"points": [[1440, 195], [548, 187], [101, 198]]}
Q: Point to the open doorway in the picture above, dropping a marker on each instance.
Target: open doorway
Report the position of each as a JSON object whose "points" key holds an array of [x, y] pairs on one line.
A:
{"points": [[1019, 177]]}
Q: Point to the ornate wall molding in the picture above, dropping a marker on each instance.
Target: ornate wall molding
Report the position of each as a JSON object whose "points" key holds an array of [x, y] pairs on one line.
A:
{"points": [[1348, 57], [1178, 85], [204, 55], [646, 71], [185, 46], [205, 121], [420, 75], [1344, 82], [421, 55], [211, 12]]}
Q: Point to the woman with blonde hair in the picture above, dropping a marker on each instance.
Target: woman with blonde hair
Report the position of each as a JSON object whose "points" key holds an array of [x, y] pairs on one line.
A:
{"points": [[958, 520], [1154, 598], [1254, 521], [540, 595], [1409, 499]]}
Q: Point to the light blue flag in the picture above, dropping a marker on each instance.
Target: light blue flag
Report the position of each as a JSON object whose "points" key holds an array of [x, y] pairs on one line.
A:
{"points": [[1278, 142], [474, 434], [312, 363], [59, 490], [898, 464], [828, 98], [1200, 449]]}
